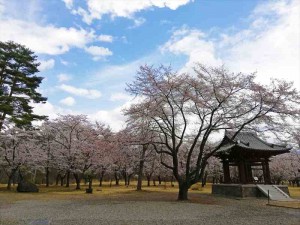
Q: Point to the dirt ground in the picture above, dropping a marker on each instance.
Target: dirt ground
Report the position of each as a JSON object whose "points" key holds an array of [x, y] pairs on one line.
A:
{"points": [[124, 205]]}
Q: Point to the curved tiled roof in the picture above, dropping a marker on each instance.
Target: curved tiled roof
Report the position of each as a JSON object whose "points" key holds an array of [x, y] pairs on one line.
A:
{"points": [[249, 141], [252, 141]]}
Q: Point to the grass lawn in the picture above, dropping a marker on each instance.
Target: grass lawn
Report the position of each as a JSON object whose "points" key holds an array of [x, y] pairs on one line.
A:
{"points": [[163, 192], [295, 192]]}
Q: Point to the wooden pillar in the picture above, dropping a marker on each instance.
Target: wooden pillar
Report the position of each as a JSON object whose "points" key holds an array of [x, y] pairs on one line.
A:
{"points": [[226, 171], [268, 175], [266, 171], [242, 172], [249, 176]]}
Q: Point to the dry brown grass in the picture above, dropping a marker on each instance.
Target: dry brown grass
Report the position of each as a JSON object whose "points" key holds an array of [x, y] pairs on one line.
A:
{"points": [[294, 192], [293, 204], [163, 192]]}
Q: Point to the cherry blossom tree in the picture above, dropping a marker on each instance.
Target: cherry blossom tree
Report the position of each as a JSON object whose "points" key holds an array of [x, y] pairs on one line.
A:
{"points": [[287, 166], [75, 139], [152, 163], [45, 140], [18, 149], [187, 111], [284, 168], [104, 145], [124, 155], [139, 137], [214, 169]]}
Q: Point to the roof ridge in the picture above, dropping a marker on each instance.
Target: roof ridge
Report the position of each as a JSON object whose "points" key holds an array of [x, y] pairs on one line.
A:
{"points": [[231, 133]]}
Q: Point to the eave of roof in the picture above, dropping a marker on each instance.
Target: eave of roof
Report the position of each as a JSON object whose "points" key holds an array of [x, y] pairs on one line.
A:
{"points": [[249, 141]]}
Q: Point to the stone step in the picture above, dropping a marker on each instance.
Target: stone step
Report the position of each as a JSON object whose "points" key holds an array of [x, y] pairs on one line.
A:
{"points": [[275, 193]]}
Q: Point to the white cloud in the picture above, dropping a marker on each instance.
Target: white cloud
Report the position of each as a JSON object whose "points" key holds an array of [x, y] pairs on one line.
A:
{"points": [[46, 65], [46, 39], [87, 93], [123, 8], [114, 117], [69, 101], [118, 75], [16, 9], [105, 38], [120, 97], [194, 44], [98, 52], [63, 77], [64, 62], [50, 110], [138, 22], [1, 7], [115, 73], [270, 45], [68, 3]]}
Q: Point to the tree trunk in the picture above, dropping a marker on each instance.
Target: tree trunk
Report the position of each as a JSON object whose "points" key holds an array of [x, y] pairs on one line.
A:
{"points": [[101, 177], [117, 178], [129, 178], [90, 183], [154, 182], [172, 180], [159, 179], [204, 180], [148, 180], [62, 180], [100, 181], [68, 179], [57, 179], [47, 176], [140, 175], [183, 192], [141, 168], [10, 178], [125, 178], [34, 177], [77, 179]]}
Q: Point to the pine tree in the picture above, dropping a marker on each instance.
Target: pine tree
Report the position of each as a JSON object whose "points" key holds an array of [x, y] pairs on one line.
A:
{"points": [[18, 85]]}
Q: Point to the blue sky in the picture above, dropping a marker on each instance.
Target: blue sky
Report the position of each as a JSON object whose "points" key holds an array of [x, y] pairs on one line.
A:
{"points": [[90, 49]]}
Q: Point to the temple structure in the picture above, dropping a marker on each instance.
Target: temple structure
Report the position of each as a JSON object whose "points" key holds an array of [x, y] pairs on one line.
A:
{"points": [[246, 151]]}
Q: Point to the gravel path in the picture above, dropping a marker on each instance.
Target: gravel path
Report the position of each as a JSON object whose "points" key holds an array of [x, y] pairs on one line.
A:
{"points": [[115, 212]]}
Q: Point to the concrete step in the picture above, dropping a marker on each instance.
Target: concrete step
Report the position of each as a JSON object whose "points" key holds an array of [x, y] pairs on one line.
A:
{"points": [[275, 193]]}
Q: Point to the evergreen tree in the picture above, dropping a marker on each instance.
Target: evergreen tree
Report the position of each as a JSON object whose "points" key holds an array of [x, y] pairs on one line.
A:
{"points": [[18, 84]]}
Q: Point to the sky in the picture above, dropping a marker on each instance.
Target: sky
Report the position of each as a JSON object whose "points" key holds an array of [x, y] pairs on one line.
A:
{"points": [[90, 49]]}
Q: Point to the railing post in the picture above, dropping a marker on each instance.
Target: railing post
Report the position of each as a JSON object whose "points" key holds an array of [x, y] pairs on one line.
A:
{"points": [[268, 196]]}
